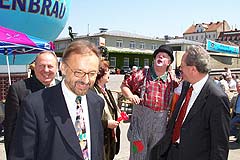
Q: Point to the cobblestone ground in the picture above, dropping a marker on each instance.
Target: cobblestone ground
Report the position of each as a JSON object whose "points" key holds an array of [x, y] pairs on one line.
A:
{"points": [[114, 84]]}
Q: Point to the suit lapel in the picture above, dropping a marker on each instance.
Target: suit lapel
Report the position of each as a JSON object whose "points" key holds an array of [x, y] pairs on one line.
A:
{"points": [[92, 111], [199, 102], [59, 111]]}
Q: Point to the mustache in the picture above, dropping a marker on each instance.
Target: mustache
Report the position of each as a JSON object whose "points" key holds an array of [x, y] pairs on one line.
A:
{"points": [[82, 83]]}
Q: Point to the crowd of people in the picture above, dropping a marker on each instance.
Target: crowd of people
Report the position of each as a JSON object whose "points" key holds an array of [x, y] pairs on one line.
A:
{"points": [[78, 117], [230, 84]]}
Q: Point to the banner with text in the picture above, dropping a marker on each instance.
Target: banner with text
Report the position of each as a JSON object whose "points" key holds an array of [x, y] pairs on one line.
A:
{"points": [[219, 47]]}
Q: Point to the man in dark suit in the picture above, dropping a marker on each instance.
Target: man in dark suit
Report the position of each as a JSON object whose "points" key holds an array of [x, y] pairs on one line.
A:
{"points": [[45, 126], [204, 132], [45, 69]]}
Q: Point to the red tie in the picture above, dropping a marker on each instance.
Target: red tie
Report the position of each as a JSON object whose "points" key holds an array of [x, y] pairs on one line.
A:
{"points": [[181, 115]]}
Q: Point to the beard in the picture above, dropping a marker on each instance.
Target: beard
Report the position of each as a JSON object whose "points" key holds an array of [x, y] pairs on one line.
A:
{"points": [[78, 87]]}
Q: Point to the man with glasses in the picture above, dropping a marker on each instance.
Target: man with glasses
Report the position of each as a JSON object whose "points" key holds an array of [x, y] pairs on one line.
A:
{"points": [[47, 126], [199, 126]]}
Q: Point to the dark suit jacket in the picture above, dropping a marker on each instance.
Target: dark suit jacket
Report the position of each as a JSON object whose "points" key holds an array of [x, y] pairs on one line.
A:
{"points": [[45, 130], [16, 93], [205, 131]]}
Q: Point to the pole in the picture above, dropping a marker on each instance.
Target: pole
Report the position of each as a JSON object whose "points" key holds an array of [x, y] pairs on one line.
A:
{"points": [[8, 68]]}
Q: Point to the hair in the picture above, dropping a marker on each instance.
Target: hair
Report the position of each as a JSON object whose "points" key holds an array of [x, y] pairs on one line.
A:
{"points": [[80, 47], [215, 78], [43, 52], [197, 56], [104, 67]]}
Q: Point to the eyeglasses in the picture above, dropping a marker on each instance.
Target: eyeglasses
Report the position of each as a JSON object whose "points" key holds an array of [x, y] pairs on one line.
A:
{"points": [[184, 65], [81, 74]]}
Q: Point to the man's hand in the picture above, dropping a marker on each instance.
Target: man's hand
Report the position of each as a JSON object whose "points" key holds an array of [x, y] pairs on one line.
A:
{"points": [[112, 124], [135, 99]]}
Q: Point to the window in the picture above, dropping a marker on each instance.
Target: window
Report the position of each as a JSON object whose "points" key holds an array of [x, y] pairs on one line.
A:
{"points": [[196, 37], [132, 44], [119, 43], [125, 62], [154, 46], [97, 42], [136, 61], [146, 62], [62, 46], [56, 46], [142, 45], [113, 61]]}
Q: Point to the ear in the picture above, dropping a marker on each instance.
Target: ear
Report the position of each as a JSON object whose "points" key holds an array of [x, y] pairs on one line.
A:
{"points": [[63, 68], [169, 62], [194, 69]]}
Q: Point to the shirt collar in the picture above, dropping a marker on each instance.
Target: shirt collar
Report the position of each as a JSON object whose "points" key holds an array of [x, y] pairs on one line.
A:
{"points": [[53, 83], [199, 85], [155, 77]]}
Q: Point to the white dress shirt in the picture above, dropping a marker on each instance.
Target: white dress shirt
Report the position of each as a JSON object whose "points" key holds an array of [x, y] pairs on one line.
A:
{"points": [[70, 98], [197, 87]]}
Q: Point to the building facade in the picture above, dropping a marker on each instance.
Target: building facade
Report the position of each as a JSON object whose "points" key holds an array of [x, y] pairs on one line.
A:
{"points": [[125, 49], [201, 32], [230, 37]]}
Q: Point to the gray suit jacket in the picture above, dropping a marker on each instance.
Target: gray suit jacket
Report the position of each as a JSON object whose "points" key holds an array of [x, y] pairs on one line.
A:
{"points": [[205, 131], [45, 130]]}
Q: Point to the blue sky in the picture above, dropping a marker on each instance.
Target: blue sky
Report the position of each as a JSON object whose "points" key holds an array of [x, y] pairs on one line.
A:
{"points": [[154, 18]]}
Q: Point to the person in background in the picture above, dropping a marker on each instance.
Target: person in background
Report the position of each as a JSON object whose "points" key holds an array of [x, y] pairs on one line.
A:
{"points": [[231, 83], [235, 106], [150, 91], [134, 69], [31, 68], [178, 74], [224, 84], [199, 126], [227, 71], [63, 122], [45, 69], [111, 112], [216, 80], [235, 77]]}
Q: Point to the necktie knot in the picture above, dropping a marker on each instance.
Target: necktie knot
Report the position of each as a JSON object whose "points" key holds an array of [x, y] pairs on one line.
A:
{"points": [[78, 99], [190, 89]]}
